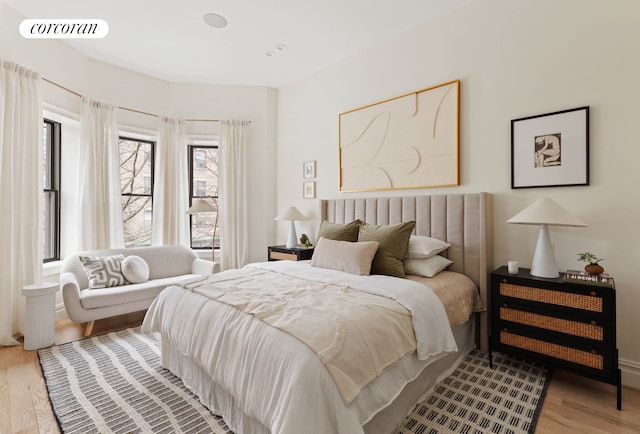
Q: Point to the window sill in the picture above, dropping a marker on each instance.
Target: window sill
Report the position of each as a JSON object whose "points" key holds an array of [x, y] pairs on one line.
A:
{"points": [[51, 268]]}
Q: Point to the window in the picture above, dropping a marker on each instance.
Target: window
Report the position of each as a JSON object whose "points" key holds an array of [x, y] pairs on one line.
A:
{"points": [[136, 186], [201, 188], [200, 159], [203, 184], [51, 189]]}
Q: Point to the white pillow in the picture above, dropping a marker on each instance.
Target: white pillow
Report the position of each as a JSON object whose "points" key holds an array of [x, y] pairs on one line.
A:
{"points": [[427, 267], [135, 269], [424, 247], [350, 257]]}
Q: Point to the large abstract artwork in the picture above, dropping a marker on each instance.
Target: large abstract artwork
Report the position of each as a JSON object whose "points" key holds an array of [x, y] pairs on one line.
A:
{"points": [[410, 141]]}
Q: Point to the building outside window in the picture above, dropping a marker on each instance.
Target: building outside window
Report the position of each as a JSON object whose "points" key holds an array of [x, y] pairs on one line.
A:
{"points": [[51, 189], [136, 186], [203, 184]]}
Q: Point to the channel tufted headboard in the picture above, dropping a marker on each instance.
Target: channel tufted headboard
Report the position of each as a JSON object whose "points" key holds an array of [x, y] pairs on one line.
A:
{"points": [[463, 220]]}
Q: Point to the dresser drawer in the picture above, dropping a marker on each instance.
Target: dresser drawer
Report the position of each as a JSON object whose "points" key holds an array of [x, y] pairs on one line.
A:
{"points": [[580, 327], [281, 256], [592, 301]]}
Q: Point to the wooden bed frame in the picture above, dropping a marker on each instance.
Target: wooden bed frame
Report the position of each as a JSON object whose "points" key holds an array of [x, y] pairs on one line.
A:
{"points": [[463, 220]]}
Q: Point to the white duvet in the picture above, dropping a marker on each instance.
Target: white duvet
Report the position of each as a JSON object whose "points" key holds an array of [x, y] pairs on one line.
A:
{"points": [[274, 377]]}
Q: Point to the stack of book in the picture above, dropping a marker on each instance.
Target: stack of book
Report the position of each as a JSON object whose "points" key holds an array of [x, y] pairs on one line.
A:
{"points": [[576, 276]]}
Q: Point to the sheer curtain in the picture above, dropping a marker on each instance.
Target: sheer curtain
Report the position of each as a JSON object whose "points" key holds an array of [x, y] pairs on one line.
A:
{"points": [[234, 226], [99, 199], [21, 141], [170, 201]]}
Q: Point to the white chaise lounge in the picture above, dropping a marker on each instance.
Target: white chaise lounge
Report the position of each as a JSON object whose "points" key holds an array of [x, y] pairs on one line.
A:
{"points": [[168, 265]]}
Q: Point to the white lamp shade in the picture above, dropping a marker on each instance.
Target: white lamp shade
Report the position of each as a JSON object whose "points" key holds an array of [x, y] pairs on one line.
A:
{"points": [[292, 213], [545, 211], [200, 206]]}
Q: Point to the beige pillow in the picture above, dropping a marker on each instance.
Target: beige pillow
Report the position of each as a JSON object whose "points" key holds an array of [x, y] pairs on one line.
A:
{"points": [[393, 241], [427, 267], [354, 258], [340, 231], [425, 247]]}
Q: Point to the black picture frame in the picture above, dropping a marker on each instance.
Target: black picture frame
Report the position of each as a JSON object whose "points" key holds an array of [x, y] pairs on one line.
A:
{"points": [[550, 150]]}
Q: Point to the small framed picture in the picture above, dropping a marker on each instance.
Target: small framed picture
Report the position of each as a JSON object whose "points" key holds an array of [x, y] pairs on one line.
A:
{"points": [[309, 169], [309, 190], [550, 150]]}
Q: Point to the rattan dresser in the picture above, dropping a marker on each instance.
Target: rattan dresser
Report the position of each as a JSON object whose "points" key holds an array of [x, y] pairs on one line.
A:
{"points": [[564, 325]]}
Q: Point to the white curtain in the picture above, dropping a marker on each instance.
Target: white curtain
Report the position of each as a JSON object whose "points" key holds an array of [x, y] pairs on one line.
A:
{"points": [[234, 222], [21, 141], [99, 199], [170, 195]]}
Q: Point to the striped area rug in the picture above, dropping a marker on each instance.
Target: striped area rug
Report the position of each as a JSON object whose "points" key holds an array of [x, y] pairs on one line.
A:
{"points": [[114, 383]]}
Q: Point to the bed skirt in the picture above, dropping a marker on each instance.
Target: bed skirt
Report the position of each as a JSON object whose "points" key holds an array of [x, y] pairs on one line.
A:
{"points": [[384, 422]]}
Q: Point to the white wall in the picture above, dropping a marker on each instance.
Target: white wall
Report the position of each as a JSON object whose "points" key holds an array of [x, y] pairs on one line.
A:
{"points": [[54, 60], [514, 59]]}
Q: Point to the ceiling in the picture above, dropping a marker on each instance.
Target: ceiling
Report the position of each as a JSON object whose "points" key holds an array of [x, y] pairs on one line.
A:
{"points": [[169, 39]]}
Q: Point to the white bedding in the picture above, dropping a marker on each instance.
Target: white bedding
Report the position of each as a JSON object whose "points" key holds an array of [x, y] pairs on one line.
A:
{"points": [[275, 378]]}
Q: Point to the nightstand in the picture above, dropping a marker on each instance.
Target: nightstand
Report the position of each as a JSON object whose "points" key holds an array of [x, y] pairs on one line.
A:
{"points": [[278, 253], [571, 326]]}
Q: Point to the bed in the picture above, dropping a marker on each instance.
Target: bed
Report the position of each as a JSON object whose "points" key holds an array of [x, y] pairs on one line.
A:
{"points": [[273, 382]]}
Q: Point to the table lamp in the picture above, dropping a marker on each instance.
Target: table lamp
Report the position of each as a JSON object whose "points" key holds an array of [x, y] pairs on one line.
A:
{"points": [[293, 214], [545, 212], [201, 206]]}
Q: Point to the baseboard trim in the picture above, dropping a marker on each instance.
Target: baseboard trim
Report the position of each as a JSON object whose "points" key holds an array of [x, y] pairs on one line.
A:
{"points": [[630, 373], [61, 312]]}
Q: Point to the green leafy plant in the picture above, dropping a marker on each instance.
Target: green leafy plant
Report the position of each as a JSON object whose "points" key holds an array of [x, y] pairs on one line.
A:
{"points": [[589, 257]]}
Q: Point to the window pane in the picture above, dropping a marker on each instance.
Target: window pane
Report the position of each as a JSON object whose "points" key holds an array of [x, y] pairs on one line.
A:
{"points": [[49, 225], [136, 216], [205, 171], [202, 230], [51, 185], [46, 156], [135, 166]]}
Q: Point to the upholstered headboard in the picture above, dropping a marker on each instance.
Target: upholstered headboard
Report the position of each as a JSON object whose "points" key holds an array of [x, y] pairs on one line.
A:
{"points": [[463, 220]]}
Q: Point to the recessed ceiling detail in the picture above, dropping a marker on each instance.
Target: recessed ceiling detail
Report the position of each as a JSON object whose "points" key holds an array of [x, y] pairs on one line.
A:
{"points": [[215, 20]]}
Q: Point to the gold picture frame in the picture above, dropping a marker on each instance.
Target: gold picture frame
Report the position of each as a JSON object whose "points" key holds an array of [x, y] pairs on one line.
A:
{"points": [[410, 141], [309, 190]]}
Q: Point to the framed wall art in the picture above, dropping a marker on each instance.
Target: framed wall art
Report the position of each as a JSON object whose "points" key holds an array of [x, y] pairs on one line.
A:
{"points": [[550, 150], [309, 169], [309, 190], [410, 141]]}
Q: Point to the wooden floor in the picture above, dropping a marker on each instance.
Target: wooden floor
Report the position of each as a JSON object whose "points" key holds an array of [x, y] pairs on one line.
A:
{"points": [[573, 404]]}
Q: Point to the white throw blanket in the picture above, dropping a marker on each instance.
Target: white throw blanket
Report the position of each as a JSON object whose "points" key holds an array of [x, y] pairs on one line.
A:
{"points": [[177, 322], [355, 334]]}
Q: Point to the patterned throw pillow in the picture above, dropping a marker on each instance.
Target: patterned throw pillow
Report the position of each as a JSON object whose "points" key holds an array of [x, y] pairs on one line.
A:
{"points": [[104, 272]]}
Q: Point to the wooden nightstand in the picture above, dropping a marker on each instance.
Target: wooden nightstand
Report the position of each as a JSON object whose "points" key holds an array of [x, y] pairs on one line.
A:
{"points": [[571, 326], [278, 253]]}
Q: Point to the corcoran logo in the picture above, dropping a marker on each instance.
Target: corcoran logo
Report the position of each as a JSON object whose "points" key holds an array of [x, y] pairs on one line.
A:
{"points": [[64, 28]]}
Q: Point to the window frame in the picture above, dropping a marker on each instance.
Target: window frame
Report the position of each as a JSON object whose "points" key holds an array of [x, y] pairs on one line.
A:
{"points": [[152, 157], [54, 141], [192, 148]]}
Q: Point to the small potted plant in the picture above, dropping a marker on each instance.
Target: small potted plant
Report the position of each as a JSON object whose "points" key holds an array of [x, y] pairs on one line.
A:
{"points": [[592, 260]]}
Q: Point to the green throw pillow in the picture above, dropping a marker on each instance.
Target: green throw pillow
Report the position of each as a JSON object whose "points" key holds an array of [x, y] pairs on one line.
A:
{"points": [[340, 231], [393, 241]]}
